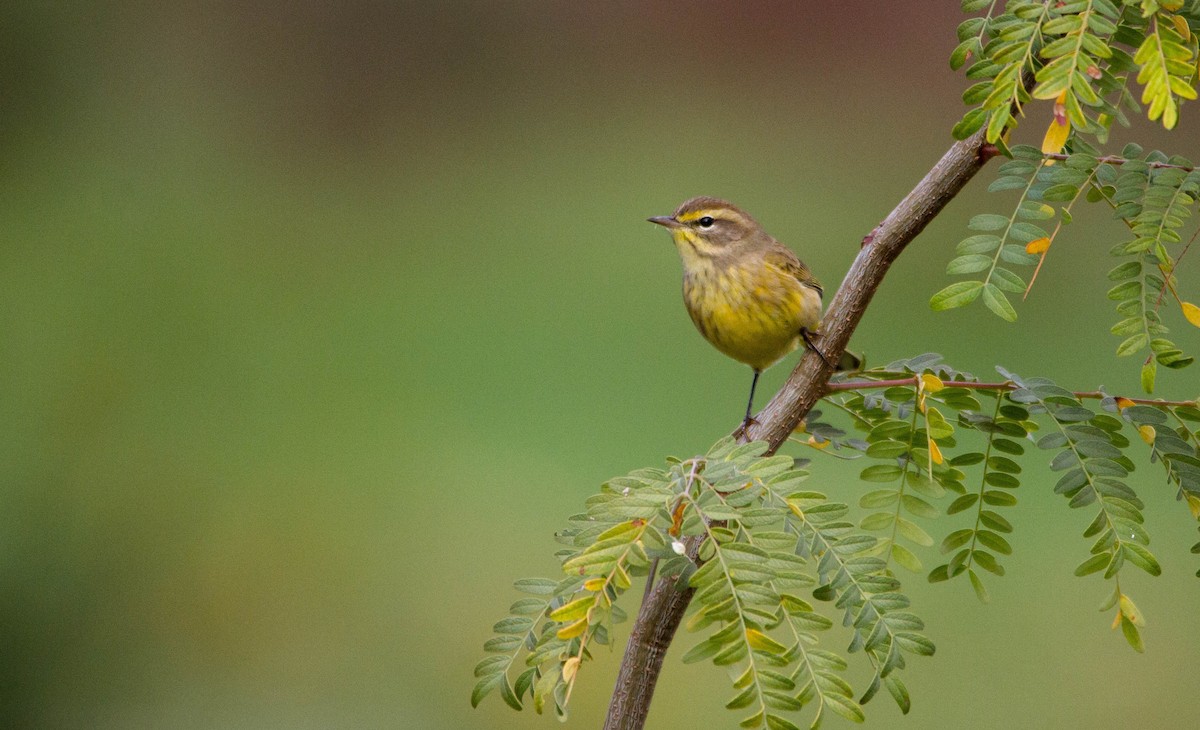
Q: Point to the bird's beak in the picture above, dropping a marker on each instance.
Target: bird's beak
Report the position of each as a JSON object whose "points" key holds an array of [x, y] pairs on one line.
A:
{"points": [[665, 221]]}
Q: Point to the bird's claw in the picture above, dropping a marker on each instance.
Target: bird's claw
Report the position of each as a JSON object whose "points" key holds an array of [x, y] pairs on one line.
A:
{"points": [[741, 430]]}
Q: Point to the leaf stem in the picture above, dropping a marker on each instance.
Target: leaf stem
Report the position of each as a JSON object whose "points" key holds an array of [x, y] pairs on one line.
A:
{"points": [[1118, 160], [1007, 385]]}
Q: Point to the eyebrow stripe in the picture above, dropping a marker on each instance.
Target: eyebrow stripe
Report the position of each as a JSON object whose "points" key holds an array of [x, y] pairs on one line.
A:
{"points": [[718, 213]]}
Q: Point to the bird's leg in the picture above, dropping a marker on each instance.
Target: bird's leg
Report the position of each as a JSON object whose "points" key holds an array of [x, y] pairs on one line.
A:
{"points": [[808, 341], [750, 404]]}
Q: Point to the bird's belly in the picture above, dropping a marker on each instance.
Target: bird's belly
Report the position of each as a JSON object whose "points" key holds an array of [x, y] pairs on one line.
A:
{"points": [[755, 320]]}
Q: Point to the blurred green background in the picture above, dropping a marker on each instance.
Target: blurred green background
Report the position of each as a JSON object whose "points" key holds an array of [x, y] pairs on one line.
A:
{"points": [[320, 318]]}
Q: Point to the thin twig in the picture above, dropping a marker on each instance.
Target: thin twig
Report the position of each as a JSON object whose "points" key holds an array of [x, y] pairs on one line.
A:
{"points": [[1107, 159], [1007, 385], [1117, 160], [1168, 275]]}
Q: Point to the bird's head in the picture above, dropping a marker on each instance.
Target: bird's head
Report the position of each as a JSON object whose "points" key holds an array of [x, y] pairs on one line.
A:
{"points": [[709, 228]]}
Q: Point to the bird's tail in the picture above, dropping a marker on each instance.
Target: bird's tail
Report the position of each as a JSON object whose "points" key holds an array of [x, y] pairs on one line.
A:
{"points": [[849, 362]]}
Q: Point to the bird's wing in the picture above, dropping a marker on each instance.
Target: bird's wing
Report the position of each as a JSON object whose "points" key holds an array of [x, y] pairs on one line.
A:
{"points": [[782, 258]]}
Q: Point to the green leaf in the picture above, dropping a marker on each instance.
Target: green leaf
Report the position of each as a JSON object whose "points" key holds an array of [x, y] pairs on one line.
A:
{"points": [[503, 644], [878, 498], [1142, 558], [899, 692], [956, 539], [1093, 564], [998, 303], [507, 694], [905, 558], [1131, 634], [1008, 281], [962, 503], [845, 707], [981, 591], [484, 687], [915, 643], [880, 473], [995, 542], [775, 722], [1132, 344], [513, 625], [973, 120], [996, 498], [877, 521], [720, 512], [987, 222], [491, 665], [919, 507], [536, 586], [913, 532], [743, 699], [1148, 377], [968, 264], [978, 244], [957, 294], [987, 561]]}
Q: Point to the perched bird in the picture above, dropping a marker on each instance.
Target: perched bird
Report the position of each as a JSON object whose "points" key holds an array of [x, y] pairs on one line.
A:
{"points": [[747, 293]]}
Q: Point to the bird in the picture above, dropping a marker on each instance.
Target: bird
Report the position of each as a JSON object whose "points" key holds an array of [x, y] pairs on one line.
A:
{"points": [[749, 295]]}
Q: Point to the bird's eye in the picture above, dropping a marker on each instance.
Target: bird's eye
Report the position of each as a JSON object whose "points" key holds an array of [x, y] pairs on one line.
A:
{"points": [[706, 222]]}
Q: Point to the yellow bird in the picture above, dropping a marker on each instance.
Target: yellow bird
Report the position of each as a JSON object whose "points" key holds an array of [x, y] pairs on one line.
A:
{"points": [[747, 293]]}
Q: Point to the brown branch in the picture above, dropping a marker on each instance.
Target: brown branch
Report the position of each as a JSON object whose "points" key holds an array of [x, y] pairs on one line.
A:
{"points": [[1006, 385], [664, 605]]}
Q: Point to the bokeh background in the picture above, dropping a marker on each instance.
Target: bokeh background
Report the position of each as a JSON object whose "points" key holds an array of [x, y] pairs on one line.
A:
{"points": [[318, 319]]}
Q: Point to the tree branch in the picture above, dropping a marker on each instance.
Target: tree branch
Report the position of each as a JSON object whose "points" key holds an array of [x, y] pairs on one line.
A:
{"points": [[664, 605]]}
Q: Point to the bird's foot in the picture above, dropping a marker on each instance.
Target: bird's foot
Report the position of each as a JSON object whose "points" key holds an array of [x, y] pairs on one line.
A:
{"points": [[746, 423]]}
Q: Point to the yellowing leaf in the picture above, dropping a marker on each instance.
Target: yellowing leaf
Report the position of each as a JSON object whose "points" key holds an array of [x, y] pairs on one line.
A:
{"points": [[1181, 26], [1059, 129], [1056, 137], [1193, 504], [760, 641], [1131, 612], [1123, 403], [570, 667], [573, 610], [935, 453], [932, 383], [1147, 432], [572, 630], [1191, 312], [593, 584], [813, 442], [1038, 245]]}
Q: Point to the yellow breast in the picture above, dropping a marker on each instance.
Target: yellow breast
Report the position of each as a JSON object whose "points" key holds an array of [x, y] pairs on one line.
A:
{"points": [[752, 314]]}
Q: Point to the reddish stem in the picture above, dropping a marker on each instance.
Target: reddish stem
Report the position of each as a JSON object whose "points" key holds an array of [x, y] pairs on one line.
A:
{"points": [[1007, 385]]}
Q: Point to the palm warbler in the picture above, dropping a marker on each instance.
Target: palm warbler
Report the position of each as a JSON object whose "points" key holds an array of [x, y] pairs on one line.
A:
{"points": [[747, 293]]}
